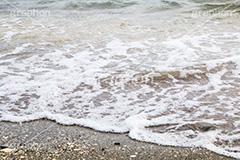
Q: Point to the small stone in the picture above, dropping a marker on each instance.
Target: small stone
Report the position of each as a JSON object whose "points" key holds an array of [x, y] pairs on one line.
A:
{"points": [[3, 147], [7, 150], [77, 149], [116, 143]]}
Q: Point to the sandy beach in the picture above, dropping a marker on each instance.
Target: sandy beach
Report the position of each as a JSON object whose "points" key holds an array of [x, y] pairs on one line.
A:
{"points": [[44, 139]]}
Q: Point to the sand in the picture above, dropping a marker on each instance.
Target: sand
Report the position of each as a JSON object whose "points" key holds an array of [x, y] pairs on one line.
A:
{"points": [[44, 139]]}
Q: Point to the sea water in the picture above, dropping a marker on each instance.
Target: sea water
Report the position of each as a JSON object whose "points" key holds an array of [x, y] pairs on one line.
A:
{"points": [[165, 71]]}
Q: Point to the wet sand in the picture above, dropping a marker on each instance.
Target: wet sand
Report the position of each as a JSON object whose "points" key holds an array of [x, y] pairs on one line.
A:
{"points": [[44, 139]]}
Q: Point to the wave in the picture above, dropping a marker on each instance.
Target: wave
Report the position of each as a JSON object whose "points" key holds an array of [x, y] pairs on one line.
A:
{"points": [[98, 5], [126, 6], [221, 6]]}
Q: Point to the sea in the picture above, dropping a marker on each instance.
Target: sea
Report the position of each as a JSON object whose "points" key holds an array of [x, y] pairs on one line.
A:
{"points": [[163, 71]]}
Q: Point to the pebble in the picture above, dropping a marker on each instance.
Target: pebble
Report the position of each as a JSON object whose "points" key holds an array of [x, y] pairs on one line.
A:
{"points": [[77, 149], [3, 147], [80, 152], [7, 150], [132, 156]]}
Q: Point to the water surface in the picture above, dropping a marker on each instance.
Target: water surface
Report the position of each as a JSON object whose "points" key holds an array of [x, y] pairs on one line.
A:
{"points": [[165, 71]]}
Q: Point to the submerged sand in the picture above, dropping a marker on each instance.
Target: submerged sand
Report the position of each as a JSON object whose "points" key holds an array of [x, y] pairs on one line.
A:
{"points": [[44, 139]]}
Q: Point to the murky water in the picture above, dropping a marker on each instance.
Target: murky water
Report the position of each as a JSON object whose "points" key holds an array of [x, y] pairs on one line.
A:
{"points": [[165, 71]]}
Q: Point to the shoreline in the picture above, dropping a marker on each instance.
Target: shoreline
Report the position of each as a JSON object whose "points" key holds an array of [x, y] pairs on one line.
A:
{"points": [[46, 139]]}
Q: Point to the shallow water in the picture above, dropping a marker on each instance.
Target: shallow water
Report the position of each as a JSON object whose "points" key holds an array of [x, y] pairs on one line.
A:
{"points": [[165, 71]]}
